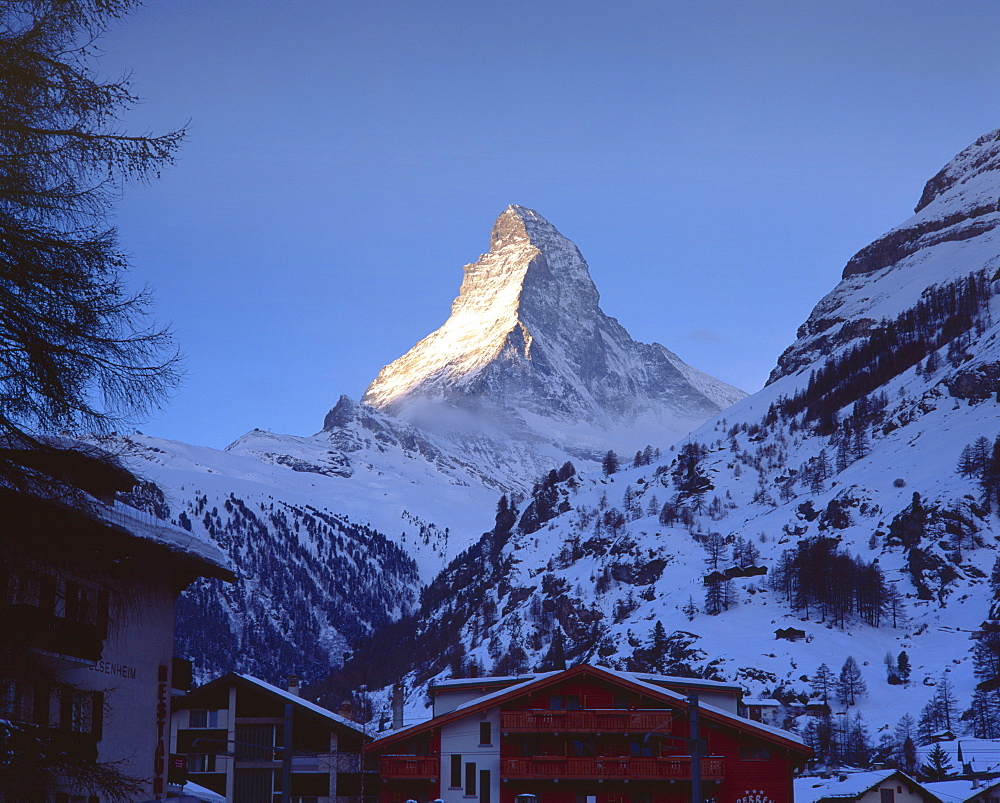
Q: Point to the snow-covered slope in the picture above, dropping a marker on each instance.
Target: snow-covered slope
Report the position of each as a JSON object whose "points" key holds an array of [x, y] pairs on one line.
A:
{"points": [[854, 479], [333, 534]]}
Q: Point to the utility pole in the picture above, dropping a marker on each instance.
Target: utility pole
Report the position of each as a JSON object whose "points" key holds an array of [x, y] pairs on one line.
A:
{"points": [[695, 743], [286, 758]]}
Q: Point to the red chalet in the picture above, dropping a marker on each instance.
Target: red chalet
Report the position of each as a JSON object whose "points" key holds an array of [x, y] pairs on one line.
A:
{"points": [[586, 735]]}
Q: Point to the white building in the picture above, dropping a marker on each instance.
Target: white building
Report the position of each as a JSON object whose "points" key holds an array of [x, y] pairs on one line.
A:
{"points": [[87, 591]]}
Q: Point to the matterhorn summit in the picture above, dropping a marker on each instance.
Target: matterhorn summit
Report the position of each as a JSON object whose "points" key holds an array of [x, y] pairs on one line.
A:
{"points": [[527, 338], [335, 533]]}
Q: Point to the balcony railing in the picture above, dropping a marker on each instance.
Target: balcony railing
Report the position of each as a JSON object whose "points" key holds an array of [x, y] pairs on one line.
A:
{"points": [[584, 721], [28, 626], [674, 768], [409, 766]]}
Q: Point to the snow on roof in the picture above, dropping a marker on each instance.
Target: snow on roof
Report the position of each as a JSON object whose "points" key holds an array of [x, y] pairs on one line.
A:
{"points": [[682, 681], [762, 701], [292, 698], [631, 677], [958, 791], [146, 526], [747, 723], [197, 792], [812, 788], [474, 703], [982, 755], [491, 680]]}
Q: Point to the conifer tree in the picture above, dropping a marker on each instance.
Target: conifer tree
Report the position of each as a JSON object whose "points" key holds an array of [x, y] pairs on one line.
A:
{"points": [[75, 348], [903, 667], [77, 351], [850, 683], [823, 682], [938, 766], [905, 733]]}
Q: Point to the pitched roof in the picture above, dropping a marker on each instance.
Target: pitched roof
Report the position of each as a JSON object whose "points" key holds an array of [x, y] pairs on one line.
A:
{"points": [[958, 791], [851, 786], [266, 687], [627, 679]]}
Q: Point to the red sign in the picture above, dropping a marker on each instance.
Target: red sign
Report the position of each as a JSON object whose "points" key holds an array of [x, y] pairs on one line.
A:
{"points": [[162, 715]]}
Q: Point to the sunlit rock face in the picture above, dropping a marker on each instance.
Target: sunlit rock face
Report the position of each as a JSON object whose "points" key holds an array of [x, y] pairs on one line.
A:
{"points": [[527, 337]]}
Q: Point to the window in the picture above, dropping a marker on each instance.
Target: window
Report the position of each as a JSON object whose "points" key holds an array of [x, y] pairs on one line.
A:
{"points": [[200, 718], [22, 588], [470, 779], [485, 733], [81, 603], [484, 786], [564, 702], [16, 700], [758, 753], [886, 795], [621, 702], [456, 772], [81, 711], [639, 748], [201, 762]]}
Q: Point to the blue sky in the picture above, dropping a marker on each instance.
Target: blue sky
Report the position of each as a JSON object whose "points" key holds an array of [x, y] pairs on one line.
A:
{"points": [[716, 162]]}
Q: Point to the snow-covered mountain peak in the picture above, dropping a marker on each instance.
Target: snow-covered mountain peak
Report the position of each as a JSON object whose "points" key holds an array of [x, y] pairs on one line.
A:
{"points": [[518, 224], [960, 202], [526, 335], [980, 157], [954, 233]]}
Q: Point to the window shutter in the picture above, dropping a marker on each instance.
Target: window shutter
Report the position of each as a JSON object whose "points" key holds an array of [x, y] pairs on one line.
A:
{"points": [[47, 593], [43, 693], [97, 715], [66, 707], [103, 606], [72, 601]]}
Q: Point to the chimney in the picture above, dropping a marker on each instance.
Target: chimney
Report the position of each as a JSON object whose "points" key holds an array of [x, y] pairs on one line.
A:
{"points": [[293, 685], [346, 710], [397, 706]]}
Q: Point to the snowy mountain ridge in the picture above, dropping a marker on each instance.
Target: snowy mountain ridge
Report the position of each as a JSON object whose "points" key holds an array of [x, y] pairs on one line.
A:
{"points": [[409, 478], [854, 498], [526, 333]]}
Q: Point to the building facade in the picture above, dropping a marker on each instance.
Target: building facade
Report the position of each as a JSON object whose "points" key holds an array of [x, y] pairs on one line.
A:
{"points": [[235, 731], [87, 591], [586, 735]]}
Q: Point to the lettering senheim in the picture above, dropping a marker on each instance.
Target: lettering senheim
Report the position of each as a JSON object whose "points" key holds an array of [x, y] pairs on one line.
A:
{"points": [[118, 670]]}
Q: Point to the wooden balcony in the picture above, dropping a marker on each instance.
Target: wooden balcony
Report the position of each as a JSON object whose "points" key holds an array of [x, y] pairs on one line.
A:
{"points": [[604, 721], [28, 626], [409, 766], [677, 768]]}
